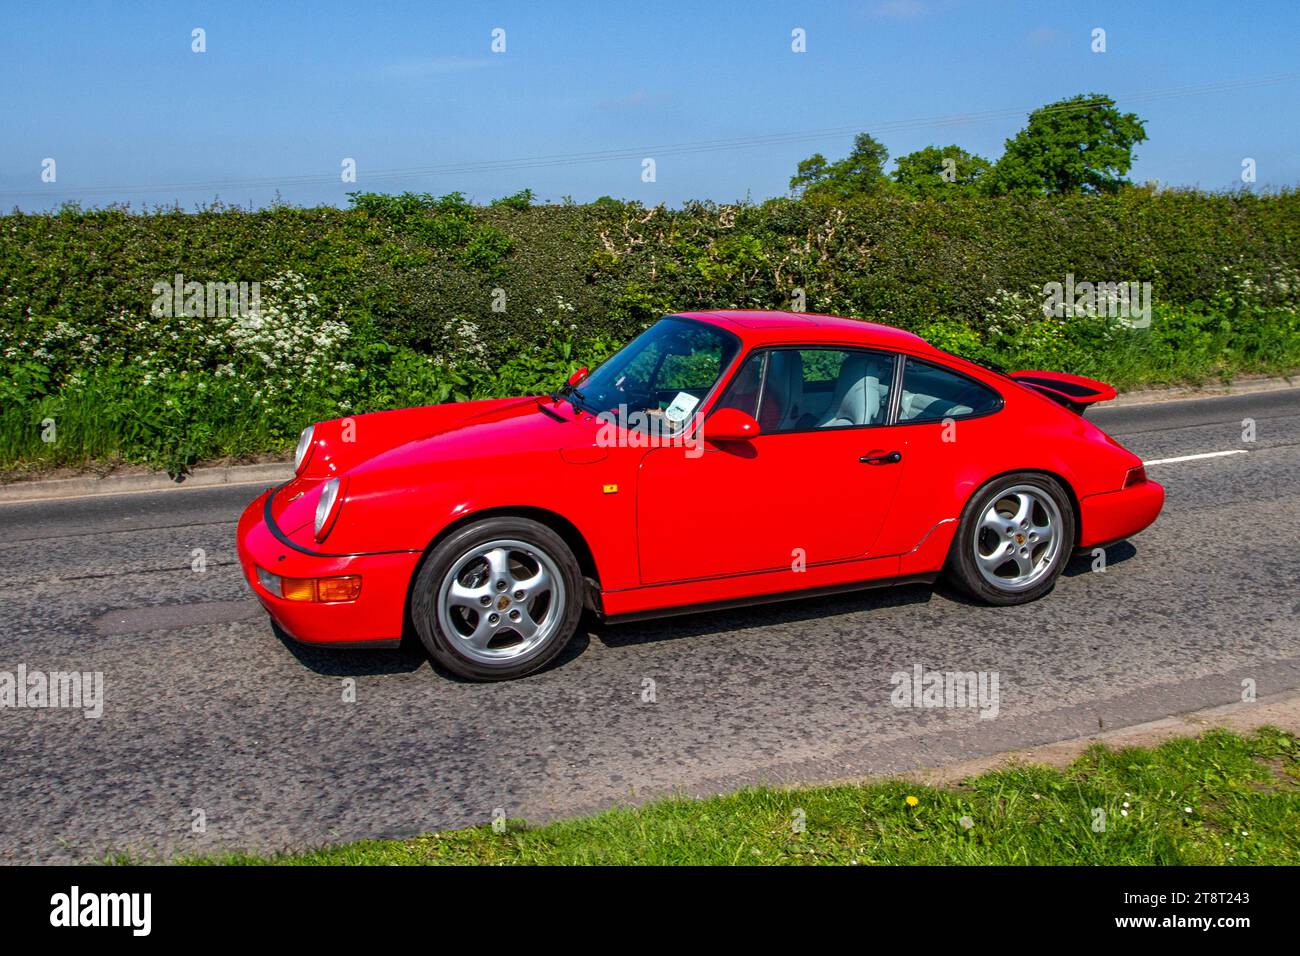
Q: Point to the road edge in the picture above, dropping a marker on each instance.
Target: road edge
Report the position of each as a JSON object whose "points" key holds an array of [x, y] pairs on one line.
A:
{"points": [[54, 489], [1279, 710], [1243, 386]]}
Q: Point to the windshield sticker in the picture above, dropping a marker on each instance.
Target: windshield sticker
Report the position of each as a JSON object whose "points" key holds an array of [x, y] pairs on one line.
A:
{"points": [[681, 407]]}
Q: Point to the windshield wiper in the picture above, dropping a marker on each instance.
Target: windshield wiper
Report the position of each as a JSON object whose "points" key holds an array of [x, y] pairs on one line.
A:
{"points": [[543, 408], [574, 395]]}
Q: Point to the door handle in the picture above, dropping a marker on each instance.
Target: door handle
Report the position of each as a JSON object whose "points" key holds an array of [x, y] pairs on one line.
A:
{"points": [[893, 458]]}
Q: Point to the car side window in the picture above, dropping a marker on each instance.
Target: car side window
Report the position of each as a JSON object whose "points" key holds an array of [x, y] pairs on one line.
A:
{"points": [[807, 389], [742, 393], [931, 394]]}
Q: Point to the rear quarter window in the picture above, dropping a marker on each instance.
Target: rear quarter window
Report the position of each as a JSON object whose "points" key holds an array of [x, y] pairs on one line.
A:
{"points": [[931, 393]]}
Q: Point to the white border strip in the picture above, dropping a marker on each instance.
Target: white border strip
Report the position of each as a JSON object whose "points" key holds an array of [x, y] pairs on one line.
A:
{"points": [[1208, 454]]}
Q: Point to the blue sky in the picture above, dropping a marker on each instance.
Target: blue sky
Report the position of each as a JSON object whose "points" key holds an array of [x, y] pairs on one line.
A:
{"points": [[114, 94]]}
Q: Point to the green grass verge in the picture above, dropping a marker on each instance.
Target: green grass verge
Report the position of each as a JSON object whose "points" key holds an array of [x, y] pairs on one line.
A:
{"points": [[1218, 799]]}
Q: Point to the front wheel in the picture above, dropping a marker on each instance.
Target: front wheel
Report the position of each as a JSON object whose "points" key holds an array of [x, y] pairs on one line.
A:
{"points": [[1015, 537], [498, 599]]}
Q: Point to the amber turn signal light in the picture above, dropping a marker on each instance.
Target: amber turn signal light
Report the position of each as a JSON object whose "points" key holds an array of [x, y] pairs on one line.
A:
{"points": [[338, 589], [318, 590]]}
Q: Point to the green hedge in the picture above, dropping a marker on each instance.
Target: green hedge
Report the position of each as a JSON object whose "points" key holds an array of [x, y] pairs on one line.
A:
{"points": [[392, 301], [421, 268]]}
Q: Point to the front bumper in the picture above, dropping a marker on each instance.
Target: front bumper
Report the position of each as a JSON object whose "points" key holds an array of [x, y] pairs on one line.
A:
{"points": [[375, 618], [1115, 515]]}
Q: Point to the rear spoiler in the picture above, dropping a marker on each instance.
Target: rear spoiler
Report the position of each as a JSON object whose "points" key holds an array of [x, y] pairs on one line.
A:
{"points": [[1072, 391]]}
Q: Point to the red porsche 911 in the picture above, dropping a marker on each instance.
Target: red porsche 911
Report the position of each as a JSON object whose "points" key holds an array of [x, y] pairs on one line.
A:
{"points": [[719, 458]]}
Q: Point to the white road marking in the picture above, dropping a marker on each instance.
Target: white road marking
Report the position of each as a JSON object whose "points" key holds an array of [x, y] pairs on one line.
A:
{"points": [[1208, 454]]}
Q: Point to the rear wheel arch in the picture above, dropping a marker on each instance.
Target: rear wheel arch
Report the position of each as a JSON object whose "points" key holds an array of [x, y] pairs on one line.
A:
{"points": [[1056, 476], [1011, 577]]}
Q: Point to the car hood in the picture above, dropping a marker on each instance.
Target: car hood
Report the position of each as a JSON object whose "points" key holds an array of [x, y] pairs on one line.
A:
{"points": [[377, 453], [441, 433]]}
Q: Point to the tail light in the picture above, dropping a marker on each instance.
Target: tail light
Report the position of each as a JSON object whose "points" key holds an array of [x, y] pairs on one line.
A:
{"points": [[1135, 476]]}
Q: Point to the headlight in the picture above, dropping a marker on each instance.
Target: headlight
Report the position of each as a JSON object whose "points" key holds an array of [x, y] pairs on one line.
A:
{"points": [[327, 508], [304, 450]]}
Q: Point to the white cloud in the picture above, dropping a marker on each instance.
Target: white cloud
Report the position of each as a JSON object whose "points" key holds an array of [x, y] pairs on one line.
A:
{"points": [[1043, 36], [898, 9], [415, 69], [633, 100]]}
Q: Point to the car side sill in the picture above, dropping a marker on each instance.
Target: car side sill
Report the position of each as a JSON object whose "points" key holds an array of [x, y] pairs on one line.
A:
{"points": [[678, 610]]}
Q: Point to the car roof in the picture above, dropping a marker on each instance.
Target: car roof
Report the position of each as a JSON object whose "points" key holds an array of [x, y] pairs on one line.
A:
{"points": [[757, 327]]}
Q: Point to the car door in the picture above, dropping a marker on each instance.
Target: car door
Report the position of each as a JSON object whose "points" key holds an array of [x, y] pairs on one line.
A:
{"points": [[948, 421], [814, 486]]}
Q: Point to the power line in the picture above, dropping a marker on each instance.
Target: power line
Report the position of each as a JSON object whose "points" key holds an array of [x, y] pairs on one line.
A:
{"points": [[668, 149]]}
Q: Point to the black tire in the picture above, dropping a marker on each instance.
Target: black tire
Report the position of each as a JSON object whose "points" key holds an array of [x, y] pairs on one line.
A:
{"points": [[454, 654], [963, 570]]}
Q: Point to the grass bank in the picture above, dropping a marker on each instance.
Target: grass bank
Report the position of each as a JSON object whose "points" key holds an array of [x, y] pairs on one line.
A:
{"points": [[1218, 799]]}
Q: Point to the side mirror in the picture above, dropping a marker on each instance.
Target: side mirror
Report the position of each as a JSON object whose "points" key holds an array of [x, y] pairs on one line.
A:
{"points": [[730, 424], [578, 376]]}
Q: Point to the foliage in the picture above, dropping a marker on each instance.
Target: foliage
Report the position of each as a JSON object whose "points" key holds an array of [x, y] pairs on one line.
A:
{"points": [[520, 200], [940, 172], [414, 298], [1078, 145], [861, 173]]}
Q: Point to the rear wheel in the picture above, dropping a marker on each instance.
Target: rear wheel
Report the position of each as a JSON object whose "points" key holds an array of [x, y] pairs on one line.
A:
{"points": [[498, 599], [1015, 537]]}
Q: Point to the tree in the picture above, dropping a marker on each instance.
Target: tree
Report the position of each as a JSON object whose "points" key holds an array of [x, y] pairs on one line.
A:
{"points": [[520, 200], [940, 171], [809, 172], [860, 173], [1078, 145]]}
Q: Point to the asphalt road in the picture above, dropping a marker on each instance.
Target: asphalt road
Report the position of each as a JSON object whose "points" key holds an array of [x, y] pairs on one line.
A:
{"points": [[207, 710]]}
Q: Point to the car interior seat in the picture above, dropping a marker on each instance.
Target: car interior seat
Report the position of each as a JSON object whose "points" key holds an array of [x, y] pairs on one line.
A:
{"points": [[859, 395], [922, 404], [782, 392]]}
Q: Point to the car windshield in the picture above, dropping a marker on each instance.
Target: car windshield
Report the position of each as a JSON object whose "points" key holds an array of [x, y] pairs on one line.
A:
{"points": [[666, 371]]}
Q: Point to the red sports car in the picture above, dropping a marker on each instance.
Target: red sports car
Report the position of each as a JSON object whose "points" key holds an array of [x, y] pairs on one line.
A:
{"points": [[719, 458]]}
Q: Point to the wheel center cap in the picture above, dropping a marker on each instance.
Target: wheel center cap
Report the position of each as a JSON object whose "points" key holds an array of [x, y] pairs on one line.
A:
{"points": [[503, 602], [1020, 538]]}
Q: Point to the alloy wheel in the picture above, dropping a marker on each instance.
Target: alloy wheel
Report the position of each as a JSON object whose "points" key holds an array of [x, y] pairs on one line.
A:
{"points": [[1018, 538], [501, 600]]}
